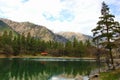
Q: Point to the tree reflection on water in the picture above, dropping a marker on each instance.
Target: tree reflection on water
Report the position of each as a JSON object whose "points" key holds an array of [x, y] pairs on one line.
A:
{"points": [[28, 69]]}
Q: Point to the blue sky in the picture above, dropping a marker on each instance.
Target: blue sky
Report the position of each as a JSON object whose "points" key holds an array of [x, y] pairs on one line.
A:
{"points": [[58, 15]]}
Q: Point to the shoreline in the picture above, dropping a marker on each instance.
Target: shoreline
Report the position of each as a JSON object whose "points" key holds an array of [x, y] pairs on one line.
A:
{"points": [[52, 57], [47, 57]]}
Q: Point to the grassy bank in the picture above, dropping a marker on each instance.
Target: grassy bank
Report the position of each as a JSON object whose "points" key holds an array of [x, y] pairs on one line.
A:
{"points": [[111, 75]]}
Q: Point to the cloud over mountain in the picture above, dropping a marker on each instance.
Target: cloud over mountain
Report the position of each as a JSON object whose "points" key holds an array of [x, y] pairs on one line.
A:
{"points": [[58, 15]]}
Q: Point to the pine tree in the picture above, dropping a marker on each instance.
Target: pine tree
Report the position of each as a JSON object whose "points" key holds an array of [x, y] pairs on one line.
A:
{"points": [[5, 37], [75, 42], [104, 34]]}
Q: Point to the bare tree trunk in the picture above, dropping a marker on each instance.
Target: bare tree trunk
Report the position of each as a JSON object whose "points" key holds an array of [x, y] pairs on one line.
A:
{"points": [[98, 59], [108, 61], [111, 57]]}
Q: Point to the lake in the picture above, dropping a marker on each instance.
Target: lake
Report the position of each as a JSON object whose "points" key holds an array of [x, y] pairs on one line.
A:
{"points": [[44, 69]]}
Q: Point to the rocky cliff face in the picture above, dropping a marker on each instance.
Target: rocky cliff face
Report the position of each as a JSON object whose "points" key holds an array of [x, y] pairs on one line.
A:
{"points": [[41, 32]]}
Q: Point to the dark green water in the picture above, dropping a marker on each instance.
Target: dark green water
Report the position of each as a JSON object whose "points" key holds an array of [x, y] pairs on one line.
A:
{"points": [[35, 69]]}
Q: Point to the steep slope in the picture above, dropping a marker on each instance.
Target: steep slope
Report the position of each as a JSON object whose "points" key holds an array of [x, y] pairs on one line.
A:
{"points": [[39, 31], [35, 30], [5, 27], [71, 35], [60, 38]]}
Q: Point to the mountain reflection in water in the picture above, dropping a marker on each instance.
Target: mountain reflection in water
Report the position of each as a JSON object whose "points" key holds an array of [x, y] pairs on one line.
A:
{"points": [[30, 69]]}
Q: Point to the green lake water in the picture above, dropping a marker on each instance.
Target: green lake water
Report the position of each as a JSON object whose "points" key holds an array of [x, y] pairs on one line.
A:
{"points": [[44, 69]]}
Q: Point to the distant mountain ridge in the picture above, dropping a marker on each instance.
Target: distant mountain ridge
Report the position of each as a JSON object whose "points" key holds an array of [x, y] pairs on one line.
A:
{"points": [[71, 35], [39, 31]]}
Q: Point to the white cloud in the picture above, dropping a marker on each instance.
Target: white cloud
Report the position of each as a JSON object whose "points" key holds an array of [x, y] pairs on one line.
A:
{"points": [[57, 15]]}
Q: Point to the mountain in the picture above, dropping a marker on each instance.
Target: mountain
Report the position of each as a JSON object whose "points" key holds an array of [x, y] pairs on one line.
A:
{"points": [[39, 31], [5, 27], [71, 35], [26, 27]]}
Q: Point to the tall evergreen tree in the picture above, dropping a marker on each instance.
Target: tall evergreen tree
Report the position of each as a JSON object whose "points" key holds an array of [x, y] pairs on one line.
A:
{"points": [[104, 34], [5, 37], [10, 37], [75, 42]]}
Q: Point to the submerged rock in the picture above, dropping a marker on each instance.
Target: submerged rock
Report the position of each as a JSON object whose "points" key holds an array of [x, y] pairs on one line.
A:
{"points": [[79, 77]]}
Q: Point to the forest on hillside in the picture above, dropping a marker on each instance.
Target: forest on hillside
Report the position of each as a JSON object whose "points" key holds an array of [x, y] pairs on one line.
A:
{"points": [[11, 44]]}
